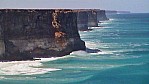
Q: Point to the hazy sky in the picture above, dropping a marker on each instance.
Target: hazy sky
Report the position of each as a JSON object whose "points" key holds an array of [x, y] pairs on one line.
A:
{"points": [[131, 5]]}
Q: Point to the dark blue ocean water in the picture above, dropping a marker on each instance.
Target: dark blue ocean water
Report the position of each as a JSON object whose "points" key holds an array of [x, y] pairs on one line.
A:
{"points": [[124, 42]]}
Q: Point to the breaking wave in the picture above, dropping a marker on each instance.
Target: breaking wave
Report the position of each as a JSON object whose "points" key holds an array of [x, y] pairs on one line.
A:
{"points": [[26, 67]]}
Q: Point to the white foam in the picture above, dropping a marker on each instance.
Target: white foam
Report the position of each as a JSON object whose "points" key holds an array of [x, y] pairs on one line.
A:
{"points": [[111, 19], [90, 44], [50, 59], [95, 27], [79, 53], [2, 77], [107, 27], [105, 52], [104, 23], [26, 67]]}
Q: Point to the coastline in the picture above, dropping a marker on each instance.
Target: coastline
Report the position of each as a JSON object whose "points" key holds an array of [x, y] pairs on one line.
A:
{"points": [[25, 39]]}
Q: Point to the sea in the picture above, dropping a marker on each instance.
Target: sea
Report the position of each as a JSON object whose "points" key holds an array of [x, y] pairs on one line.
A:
{"points": [[123, 42]]}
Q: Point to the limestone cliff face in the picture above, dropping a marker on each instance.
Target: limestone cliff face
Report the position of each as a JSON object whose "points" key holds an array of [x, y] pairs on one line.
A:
{"points": [[82, 20], [86, 18], [38, 33], [89, 18], [101, 15], [92, 18]]}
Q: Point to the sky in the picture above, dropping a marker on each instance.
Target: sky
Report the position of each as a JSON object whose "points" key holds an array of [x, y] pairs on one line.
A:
{"points": [[134, 6]]}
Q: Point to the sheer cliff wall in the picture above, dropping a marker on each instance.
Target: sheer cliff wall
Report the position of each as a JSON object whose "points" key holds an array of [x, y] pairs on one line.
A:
{"points": [[101, 15], [25, 34], [89, 18]]}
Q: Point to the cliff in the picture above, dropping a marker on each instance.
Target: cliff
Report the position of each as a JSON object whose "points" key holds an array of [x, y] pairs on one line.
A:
{"points": [[92, 18], [101, 15], [26, 34], [82, 20], [86, 18], [89, 18]]}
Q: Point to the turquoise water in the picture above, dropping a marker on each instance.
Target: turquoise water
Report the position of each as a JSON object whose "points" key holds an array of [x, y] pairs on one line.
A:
{"points": [[124, 42]]}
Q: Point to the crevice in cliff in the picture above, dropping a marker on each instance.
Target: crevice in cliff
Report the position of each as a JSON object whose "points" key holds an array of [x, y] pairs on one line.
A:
{"points": [[56, 24]]}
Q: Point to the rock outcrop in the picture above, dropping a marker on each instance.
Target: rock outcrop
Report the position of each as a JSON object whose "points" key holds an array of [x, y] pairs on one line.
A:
{"points": [[25, 34]]}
